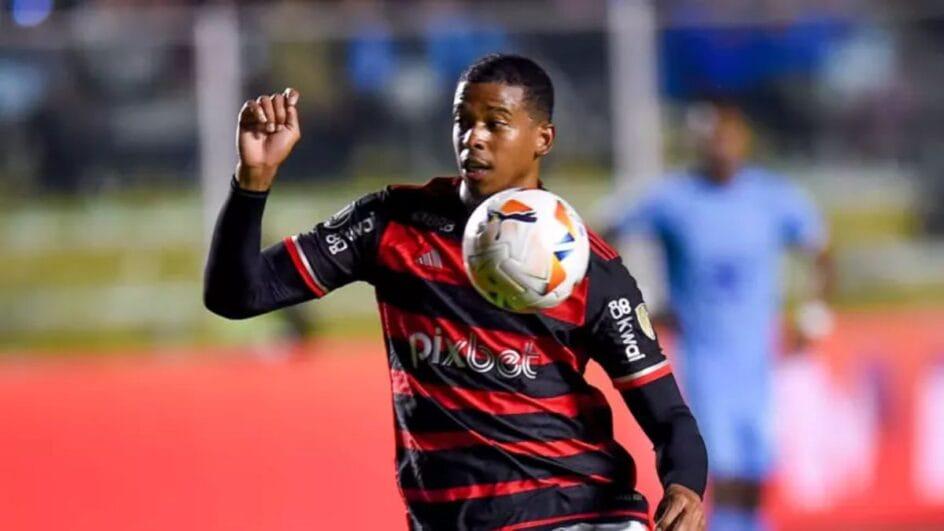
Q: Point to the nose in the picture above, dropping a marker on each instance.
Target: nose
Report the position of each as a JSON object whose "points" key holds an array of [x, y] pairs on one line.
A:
{"points": [[474, 137]]}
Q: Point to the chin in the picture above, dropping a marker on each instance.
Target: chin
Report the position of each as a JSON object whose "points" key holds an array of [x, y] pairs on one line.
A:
{"points": [[481, 188], [491, 184]]}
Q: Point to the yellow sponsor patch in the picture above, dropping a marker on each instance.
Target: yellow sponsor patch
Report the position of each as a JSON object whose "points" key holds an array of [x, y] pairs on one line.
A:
{"points": [[642, 317]]}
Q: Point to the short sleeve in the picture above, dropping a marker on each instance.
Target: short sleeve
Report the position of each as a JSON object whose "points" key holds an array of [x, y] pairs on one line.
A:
{"points": [[621, 336], [801, 224], [342, 249]]}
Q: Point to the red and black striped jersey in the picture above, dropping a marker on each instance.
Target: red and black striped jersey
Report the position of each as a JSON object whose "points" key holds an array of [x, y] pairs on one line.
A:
{"points": [[495, 424]]}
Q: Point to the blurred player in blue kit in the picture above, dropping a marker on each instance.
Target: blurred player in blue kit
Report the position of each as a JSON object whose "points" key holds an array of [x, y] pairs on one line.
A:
{"points": [[723, 228]]}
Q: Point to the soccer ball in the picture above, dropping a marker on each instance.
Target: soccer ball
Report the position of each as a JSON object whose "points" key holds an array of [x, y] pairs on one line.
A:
{"points": [[524, 250]]}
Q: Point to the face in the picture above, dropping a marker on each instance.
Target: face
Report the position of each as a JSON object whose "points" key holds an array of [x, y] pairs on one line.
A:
{"points": [[724, 145], [498, 143]]}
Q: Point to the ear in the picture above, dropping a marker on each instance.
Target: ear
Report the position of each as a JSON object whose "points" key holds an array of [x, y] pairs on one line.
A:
{"points": [[544, 140]]}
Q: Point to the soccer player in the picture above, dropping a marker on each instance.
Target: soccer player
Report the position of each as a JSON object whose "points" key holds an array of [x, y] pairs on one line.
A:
{"points": [[496, 427], [723, 227]]}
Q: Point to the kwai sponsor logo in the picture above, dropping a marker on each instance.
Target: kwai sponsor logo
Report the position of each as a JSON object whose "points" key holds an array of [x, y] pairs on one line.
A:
{"points": [[622, 313]]}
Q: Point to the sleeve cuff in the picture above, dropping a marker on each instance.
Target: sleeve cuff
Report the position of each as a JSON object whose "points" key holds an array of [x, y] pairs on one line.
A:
{"points": [[695, 481], [234, 187]]}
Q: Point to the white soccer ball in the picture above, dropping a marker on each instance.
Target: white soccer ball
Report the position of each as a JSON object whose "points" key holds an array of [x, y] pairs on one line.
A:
{"points": [[524, 250]]}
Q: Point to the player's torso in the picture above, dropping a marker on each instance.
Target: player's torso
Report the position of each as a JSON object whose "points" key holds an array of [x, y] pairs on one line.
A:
{"points": [[445, 332], [484, 399], [724, 245], [447, 343]]}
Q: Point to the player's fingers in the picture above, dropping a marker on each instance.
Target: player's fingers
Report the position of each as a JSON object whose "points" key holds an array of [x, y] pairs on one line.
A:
{"points": [[661, 508], [245, 116], [291, 109], [702, 523], [248, 113], [258, 112], [291, 119], [262, 120], [266, 103], [667, 514], [278, 105], [251, 117], [686, 521], [291, 96]]}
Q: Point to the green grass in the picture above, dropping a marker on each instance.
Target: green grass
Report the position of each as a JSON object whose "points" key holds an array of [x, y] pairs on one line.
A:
{"points": [[122, 271]]}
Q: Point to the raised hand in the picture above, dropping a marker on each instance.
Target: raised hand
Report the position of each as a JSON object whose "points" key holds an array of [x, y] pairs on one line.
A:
{"points": [[268, 130]]}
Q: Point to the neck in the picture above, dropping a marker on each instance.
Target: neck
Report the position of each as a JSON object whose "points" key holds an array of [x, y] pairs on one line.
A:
{"points": [[720, 174], [468, 197], [471, 199]]}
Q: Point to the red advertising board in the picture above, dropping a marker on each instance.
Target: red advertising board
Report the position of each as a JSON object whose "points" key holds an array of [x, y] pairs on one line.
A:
{"points": [[202, 441]]}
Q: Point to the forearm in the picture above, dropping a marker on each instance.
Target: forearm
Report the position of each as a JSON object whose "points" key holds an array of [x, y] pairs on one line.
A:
{"points": [[681, 457], [241, 281]]}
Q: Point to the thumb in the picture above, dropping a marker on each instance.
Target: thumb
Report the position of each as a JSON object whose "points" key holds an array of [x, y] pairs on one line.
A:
{"points": [[291, 108]]}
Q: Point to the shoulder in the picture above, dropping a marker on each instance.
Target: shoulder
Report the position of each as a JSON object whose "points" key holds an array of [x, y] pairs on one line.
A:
{"points": [[670, 190], [600, 249], [670, 185], [395, 197], [768, 181], [605, 264], [608, 280], [431, 195], [677, 180], [777, 189], [369, 205], [434, 204], [437, 187], [605, 268]]}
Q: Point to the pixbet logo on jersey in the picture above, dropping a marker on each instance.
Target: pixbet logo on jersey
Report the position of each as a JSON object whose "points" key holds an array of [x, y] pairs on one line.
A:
{"points": [[469, 354]]}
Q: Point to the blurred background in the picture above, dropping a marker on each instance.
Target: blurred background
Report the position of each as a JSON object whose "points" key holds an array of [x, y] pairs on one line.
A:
{"points": [[124, 404]]}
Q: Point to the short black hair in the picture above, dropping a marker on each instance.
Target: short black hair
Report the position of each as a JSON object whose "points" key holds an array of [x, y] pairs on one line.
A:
{"points": [[516, 71]]}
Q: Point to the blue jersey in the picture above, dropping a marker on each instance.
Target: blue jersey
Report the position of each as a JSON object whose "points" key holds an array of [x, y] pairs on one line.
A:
{"points": [[723, 245]]}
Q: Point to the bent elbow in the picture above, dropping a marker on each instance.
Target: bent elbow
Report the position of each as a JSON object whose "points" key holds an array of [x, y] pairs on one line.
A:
{"points": [[225, 307]]}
